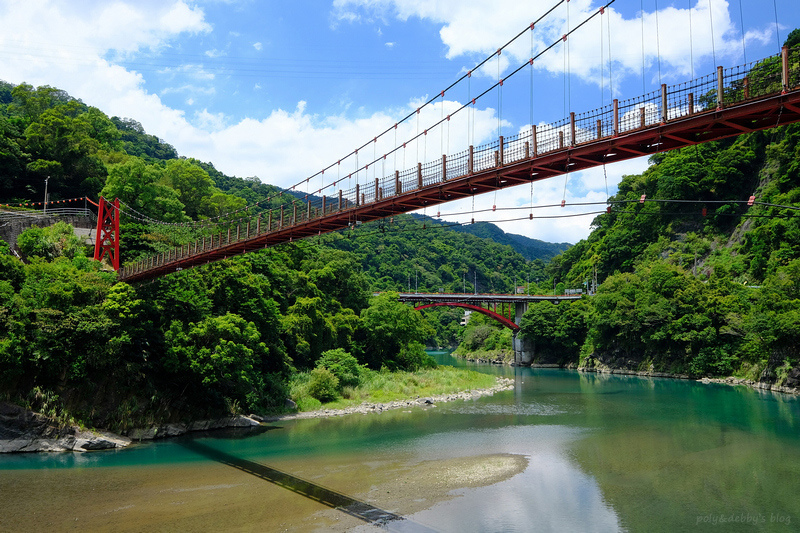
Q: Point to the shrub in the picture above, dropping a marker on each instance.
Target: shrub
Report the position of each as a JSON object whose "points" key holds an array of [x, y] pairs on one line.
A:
{"points": [[342, 365], [412, 357], [323, 385]]}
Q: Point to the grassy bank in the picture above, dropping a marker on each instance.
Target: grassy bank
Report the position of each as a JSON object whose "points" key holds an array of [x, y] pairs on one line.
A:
{"points": [[387, 386]]}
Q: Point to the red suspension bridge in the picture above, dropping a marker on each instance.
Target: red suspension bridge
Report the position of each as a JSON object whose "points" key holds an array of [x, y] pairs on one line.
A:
{"points": [[730, 101], [673, 117]]}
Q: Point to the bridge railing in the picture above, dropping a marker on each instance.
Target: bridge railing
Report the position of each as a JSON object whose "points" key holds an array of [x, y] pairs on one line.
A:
{"points": [[62, 211], [758, 79]]}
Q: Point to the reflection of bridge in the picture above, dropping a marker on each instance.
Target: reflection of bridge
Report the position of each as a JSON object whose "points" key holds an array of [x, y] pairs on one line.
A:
{"points": [[483, 303], [732, 101]]}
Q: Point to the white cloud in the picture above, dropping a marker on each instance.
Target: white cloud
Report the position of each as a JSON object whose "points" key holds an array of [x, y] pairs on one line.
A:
{"points": [[213, 54], [390, 45], [209, 121], [258, 46], [469, 29]]}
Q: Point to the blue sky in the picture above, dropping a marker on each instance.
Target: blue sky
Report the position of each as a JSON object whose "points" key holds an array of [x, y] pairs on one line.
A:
{"points": [[280, 90]]}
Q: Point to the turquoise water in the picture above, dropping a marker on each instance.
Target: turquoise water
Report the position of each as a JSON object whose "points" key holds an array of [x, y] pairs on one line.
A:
{"points": [[600, 452]]}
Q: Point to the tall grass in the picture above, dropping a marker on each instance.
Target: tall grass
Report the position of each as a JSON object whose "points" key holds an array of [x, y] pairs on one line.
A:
{"points": [[384, 386]]}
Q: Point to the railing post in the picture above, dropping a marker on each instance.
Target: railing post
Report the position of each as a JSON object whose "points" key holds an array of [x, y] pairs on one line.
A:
{"points": [[642, 117], [572, 128], [616, 117], [500, 155], [358, 199], [258, 222], [294, 213], [561, 139], [419, 175], [377, 195], [229, 238], [238, 231], [720, 87], [308, 212], [340, 199], [527, 149], [746, 85], [599, 129], [444, 167], [663, 103], [323, 205], [471, 160], [398, 187], [785, 69], [280, 225], [691, 103], [535, 143]]}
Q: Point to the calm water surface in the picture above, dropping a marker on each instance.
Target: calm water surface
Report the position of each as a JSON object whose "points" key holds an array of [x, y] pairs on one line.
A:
{"points": [[601, 453]]}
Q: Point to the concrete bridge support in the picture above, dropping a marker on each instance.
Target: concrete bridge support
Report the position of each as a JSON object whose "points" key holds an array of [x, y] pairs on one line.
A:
{"points": [[523, 347], [523, 350]]}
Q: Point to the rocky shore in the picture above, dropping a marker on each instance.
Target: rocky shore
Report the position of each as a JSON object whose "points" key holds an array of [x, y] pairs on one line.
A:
{"points": [[22, 430], [370, 407], [758, 385], [25, 431]]}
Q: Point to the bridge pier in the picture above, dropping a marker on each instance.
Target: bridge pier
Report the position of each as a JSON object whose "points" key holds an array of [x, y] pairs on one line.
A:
{"points": [[523, 347], [523, 350]]}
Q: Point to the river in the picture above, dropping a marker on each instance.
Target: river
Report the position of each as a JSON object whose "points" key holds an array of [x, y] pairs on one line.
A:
{"points": [[563, 451]]}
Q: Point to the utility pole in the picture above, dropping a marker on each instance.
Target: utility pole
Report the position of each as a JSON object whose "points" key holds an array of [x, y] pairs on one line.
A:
{"points": [[45, 194]]}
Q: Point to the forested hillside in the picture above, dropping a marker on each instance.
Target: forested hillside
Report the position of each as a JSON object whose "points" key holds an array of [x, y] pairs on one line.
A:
{"points": [[693, 280], [222, 338]]}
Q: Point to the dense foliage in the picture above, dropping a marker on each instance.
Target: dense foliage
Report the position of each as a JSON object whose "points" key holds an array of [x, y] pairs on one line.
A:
{"points": [[696, 281], [226, 337]]}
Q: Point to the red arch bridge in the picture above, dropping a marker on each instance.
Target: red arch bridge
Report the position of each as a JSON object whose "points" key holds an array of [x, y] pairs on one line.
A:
{"points": [[488, 304]]}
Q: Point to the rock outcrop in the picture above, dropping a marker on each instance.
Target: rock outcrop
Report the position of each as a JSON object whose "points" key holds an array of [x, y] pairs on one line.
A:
{"points": [[22, 430], [25, 431]]}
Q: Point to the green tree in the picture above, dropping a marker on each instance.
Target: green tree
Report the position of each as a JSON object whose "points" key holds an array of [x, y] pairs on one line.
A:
{"points": [[137, 185], [393, 334], [191, 183], [221, 355]]}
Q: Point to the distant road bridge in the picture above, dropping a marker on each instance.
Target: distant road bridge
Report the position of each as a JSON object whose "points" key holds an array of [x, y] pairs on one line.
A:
{"points": [[483, 303], [487, 305]]}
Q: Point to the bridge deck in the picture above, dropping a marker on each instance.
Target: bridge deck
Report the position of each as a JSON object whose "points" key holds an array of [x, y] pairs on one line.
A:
{"points": [[481, 298]]}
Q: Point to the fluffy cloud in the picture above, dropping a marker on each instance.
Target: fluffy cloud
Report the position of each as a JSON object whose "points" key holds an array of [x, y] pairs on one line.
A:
{"points": [[470, 29]]}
